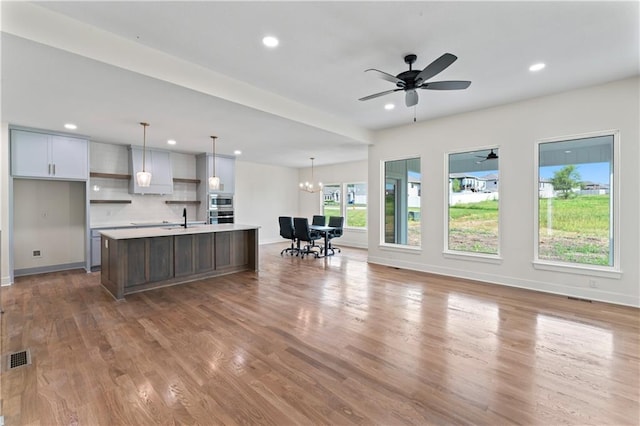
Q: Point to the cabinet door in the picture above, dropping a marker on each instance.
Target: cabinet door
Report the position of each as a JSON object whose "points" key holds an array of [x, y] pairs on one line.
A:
{"points": [[95, 251], [222, 251], [70, 158], [29, 154], [158, 163], [225, 170], [184, 256]]}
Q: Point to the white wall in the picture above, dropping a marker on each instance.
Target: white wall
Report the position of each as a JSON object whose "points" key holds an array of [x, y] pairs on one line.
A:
{"points": [[311, 204], [48, 216], [262, 194], [515, 128], [110, 158], [4, 203]]}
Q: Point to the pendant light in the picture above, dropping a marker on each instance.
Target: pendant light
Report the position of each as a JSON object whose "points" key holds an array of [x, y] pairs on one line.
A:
{"points": [[310, 186], [214, 181], [143, 178]]}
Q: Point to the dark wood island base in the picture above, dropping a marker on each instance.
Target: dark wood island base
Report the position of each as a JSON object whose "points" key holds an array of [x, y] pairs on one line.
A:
{"points": [[143, 259]]}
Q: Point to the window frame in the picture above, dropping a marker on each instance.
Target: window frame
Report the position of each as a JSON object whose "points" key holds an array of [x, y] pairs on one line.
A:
{"points": [[343, 205], [609, 271], [469, 255], [382, 244]]}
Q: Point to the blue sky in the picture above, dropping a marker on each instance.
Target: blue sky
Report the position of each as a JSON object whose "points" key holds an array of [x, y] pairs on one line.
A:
{"points": [[592, 172]]}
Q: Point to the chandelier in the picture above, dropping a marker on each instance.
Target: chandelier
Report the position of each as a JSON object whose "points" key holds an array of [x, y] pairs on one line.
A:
{"points": [[310, 186]]}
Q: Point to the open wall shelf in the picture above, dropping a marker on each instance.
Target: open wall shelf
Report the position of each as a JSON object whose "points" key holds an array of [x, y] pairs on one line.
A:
{"points": [[110, 201], [109, 175], [181, 202]]}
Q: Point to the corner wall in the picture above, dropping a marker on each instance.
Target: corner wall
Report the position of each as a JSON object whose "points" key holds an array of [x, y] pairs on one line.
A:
{"points": [[515, 128], [263, 193]]}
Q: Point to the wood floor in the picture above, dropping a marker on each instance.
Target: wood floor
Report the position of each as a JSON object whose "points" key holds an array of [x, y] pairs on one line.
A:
{"points": [[315, 341]]}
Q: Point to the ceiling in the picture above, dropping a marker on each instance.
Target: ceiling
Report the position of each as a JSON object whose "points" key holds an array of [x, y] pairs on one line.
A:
{"points": [[193, 69]]}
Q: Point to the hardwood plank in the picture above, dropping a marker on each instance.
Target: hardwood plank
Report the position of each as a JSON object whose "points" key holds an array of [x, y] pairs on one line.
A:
{"points": [[314, 341]]}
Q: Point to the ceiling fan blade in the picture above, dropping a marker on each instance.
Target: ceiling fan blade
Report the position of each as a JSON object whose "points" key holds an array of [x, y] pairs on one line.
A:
{"points": [[411, 98], [435, 67], [386, 76], [447, 85], [375, 95]]}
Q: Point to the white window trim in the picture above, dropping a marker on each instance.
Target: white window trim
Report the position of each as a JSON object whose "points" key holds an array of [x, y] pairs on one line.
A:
{"points": [[613, 271], [382, 244], [469, 255]]}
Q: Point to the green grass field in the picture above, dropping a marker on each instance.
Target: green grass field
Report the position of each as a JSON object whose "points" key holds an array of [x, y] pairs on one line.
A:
{"points": [[356, 214], [571, 230]]}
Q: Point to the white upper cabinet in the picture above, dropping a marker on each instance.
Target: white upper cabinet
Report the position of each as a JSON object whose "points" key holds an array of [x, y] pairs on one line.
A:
{"points": [[41, 155], [225, 170], [158, 163]]}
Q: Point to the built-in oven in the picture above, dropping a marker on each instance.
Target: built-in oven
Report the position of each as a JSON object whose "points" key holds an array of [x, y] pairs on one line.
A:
{"points": [[220, 216], [220, 208], [220, 201]]}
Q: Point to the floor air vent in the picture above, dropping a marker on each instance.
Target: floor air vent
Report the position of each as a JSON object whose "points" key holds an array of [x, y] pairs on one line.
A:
{"points": [[18, 359]]}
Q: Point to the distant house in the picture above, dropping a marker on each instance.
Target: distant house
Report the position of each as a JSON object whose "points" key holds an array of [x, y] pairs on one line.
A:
{"points": [[593, 188], [414, 189], [467, 182], [545, 188], [491, 182]]}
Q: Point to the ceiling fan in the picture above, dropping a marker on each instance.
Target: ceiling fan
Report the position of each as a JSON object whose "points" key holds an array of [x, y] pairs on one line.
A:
{"points": [[412, 79], [490, 156]]}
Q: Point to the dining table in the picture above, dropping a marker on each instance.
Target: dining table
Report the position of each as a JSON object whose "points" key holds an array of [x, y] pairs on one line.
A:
{"points": [[324, 231]]}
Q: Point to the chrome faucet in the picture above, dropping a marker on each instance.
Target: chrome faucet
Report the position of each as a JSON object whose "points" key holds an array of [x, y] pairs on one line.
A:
{"points": [[184, 214]]}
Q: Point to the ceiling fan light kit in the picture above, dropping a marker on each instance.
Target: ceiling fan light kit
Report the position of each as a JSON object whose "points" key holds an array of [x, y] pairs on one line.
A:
{"points": [[411, 79]]}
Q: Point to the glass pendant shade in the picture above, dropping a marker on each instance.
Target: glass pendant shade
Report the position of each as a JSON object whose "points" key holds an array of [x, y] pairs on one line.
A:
{"points": [[310, 186], [143, 178], [214, 183]]}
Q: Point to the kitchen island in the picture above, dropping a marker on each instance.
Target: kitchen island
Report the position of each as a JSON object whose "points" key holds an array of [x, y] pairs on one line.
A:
{"points": [[135, 260]]}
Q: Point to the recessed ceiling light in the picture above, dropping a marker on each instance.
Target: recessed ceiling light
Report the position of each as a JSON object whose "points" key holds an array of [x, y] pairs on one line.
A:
{"points": [[567, 151], [70, 126], [237, 152], [171, 142], [537, 67], [270, 41], [389, 107]]}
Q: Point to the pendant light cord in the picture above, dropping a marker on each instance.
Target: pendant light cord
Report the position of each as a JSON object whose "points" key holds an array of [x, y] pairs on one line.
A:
{"points": [[213, 145], [144, 144]]}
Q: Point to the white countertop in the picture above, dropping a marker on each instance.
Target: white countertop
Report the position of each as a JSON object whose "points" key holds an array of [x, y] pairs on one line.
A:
{"points": [[125, 234]]}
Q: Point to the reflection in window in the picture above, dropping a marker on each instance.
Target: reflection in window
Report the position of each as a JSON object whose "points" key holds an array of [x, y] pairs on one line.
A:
{"points": [[356, 205], [402, 191], [575, 210], [473, 201], [331, 199]]}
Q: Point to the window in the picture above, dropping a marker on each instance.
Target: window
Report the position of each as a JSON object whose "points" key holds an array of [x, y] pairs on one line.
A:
{"points": [[356, 205], [402, 191], [473, 201], [331, 200], [353, 208], [575, 202]]}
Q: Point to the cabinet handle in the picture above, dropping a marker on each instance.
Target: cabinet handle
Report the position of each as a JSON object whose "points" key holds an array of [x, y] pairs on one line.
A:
{"points": [[54, 169], [49, 172]]}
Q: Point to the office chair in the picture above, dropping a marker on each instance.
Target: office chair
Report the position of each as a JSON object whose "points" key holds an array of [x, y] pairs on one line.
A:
{"points": [[286, 231], [319, 220], [303, 233], [335, 222]]}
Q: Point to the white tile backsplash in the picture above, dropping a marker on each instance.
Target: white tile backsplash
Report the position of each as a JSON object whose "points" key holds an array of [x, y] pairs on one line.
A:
{"points": [[110, 158]]}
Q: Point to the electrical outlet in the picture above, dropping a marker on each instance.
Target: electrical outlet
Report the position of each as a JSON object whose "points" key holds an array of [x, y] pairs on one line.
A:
{"points": [[593, 283], [37, 253]]}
